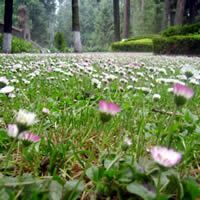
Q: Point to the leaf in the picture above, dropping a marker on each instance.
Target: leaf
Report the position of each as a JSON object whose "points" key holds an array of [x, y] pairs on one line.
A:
{"points": [[74, 185], [73, 189], [164, 181], [141, 191], [94, 173], [110, 162], [55, 190], [146, 166], [3, 194], [163, 197], [191, 189], [126, 175], [174, 185]]}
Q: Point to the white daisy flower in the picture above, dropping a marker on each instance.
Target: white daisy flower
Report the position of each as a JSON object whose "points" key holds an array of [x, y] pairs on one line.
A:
{"points": [[25, 118]]}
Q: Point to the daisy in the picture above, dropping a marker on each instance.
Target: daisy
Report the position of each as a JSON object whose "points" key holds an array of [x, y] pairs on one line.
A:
{"points": [[165, 157]]}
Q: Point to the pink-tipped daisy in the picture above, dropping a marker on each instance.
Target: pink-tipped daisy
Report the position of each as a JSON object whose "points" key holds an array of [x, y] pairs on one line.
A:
{"points": [[165, 157], [108, 107], [182, 93], [183, 90], [28, 136]]}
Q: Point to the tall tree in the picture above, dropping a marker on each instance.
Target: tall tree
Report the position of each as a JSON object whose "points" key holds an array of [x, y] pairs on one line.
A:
{"points": [[41, 13], [180, 8], [7, 37], [23, 22], [126, 18], [192, 4], [166, 13], [116, 14], [76, 27]]}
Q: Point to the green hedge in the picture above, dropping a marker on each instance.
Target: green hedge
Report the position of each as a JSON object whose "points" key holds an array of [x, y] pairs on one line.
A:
{"points": [[149, 36], [181, 45], [141, 45], [182, 30], [19, 46]]}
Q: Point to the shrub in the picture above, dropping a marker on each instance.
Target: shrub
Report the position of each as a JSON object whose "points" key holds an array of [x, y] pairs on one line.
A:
{"points": [[19, 45], [149, 36], [141, 45], [182, 45], [59, 42], [182, 30]]}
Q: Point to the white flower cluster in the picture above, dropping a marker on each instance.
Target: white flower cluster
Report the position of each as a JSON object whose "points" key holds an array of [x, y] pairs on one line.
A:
{"points": [[25, 118], [4, 87]]}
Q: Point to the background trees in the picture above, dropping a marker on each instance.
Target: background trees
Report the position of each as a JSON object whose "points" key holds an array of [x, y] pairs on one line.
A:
{"points": [[41, 14], [103, 21]]}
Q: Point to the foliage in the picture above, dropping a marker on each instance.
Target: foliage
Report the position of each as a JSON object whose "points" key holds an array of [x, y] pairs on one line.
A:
{"points": [[103, 33], [47, 188], [122, 177], [96, 21], [61, 18], [182, 30], [59, 42], [147, 17], [41, 14], [150, 36], [183, 45], [138, 45], [19, 45]]}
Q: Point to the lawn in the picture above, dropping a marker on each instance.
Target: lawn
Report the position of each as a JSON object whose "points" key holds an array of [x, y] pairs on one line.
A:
{"points": [[82, 151]]}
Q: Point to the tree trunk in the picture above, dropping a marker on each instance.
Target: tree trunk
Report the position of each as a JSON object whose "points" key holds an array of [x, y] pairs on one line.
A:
{"points": [[7, 37], [192, 10], [76, 27], [180, 8], [116, 19], [167, 14], [23, 22], [126, 18], [142, 6]]}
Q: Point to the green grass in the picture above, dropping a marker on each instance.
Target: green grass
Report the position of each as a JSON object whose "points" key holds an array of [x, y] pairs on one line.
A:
{"points": [[76, 145]]}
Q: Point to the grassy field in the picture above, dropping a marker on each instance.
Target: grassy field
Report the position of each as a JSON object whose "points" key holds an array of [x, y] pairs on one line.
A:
{"points": [[81, 157]]}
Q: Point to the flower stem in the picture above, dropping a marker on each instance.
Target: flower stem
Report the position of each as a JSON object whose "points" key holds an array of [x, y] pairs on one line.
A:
{"points": [[9, 152], [170, 137], [158, 184], [140, 142]]}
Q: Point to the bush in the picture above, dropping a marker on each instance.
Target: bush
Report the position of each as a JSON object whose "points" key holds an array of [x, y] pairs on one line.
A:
{"points": [[182, 30], [19, 45], [59, 42], [182, 45], [141, 45], [149, 36]]}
